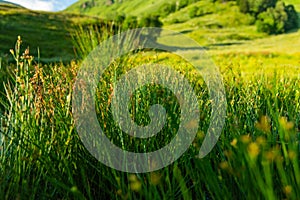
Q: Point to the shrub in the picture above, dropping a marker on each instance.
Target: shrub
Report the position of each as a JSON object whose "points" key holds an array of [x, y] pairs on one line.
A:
{"points": [[244, 6], [130, 22], [150, 21], [183, 4], [292, 21], [277, 20], [199, 11], [120, 19], [255, 6], [193, 12], [166, 9]]}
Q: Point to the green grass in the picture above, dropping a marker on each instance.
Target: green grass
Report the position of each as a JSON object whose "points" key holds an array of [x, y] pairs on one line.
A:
{"points": [[258, 152], [127, 7], [103, 9]]}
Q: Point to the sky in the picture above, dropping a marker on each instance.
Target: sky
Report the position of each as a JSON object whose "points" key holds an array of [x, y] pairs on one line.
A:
{"points": [[46, 5]]}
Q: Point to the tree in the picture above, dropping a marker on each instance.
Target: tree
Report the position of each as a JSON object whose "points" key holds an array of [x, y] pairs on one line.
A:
{"points": [[277, 20], [258, 6], [244, 6], [255, 6], [271, 21], [150, 21], [166, 9], [120, 19], [292, 18]]}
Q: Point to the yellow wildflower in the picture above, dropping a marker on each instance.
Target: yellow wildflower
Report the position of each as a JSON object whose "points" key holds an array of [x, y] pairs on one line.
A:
{"points": [[292, 155], [288, 189], [224, 165], [261, 140], [233, 142], [135, 184], [155, 178], [264, 124], [245, 139], [253, 149], [286, 125], [271, 155]]}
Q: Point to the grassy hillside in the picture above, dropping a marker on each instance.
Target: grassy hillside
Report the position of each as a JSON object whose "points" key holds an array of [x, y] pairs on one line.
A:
{"points": [[231, 38], [111, 8], [50, 32], [219, 26], [105, 9]]}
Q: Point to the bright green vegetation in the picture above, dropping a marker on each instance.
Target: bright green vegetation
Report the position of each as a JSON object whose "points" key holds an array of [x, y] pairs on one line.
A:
{"points": [[256, 157], [258, 152], [107, 9]]}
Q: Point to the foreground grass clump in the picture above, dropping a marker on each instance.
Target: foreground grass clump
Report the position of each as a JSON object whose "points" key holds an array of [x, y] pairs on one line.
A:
{"points": [[41, 156]]}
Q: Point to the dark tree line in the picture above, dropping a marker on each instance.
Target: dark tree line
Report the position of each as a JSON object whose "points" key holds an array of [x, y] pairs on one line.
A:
{"points": [[129, 22], [271, 16]]}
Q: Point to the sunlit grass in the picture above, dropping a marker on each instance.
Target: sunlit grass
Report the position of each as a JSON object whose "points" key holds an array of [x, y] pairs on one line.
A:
{"points": [[257, 156]]}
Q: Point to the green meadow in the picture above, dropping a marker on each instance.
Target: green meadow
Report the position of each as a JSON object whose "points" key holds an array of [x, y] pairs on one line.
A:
{"points": [[42, 156]]}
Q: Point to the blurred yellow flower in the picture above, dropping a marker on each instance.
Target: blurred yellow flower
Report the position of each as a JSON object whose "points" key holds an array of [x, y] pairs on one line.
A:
{"points": [[253, 149], [135, 184], [119, 192], [132, 177], [245, 139], [286, 125], [261, 140], [292, 155], [224, 165], [200, 135], [264, 124], [234, 142], [288, 189], [155, 178], [270, 156], [228, 154]]}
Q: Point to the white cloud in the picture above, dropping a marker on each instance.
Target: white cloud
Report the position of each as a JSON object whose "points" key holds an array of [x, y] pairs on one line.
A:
{"points": [[46, 5], [35, 4]]}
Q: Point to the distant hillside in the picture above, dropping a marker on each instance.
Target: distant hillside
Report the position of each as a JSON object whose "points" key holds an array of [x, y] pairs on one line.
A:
{"points": [[215, 24], [110, 8], [170, 11], [50, 32]]}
